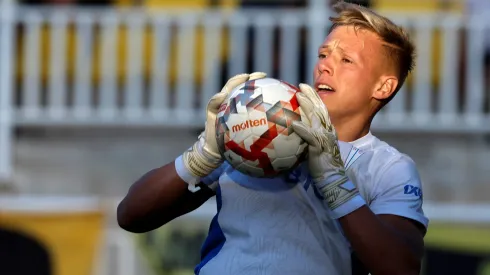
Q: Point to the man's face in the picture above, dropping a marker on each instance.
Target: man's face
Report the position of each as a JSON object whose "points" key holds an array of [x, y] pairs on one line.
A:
{"points": [[348, 71]]}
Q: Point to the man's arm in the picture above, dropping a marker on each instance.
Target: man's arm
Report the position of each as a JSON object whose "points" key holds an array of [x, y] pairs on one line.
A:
{"points": [[388, 235], [157, 198], [385, 244]]}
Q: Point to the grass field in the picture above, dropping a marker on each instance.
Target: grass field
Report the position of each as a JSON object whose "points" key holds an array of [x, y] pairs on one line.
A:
{"points": [[460, 237]]}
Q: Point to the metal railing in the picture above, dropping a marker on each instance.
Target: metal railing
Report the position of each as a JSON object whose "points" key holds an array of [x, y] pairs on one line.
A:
{"points": [[111, 67]]}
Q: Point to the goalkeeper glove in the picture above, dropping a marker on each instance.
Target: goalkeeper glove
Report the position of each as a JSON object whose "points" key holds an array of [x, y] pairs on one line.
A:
{"points": [[204, 157], [324, 159]]}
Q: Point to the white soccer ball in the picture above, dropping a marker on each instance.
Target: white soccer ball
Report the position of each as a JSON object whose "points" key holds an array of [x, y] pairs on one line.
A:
{"points": [[253, 128]]}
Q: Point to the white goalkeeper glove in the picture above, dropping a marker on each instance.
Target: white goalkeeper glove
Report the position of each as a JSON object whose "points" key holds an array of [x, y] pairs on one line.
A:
{"points": [[324, 159], [204, 157]]}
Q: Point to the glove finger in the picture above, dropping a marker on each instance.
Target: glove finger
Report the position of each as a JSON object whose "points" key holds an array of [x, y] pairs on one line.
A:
{"points": [[216, 101], [311, 94], [234, 82], [316, 122], [305, 117], [304, 132], [315, 94], [321, 110], [305, 103], [257, 75], [231, 84], [328, 122]]}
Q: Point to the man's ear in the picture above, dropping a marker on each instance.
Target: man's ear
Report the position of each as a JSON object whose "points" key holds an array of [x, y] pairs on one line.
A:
{"points": [[386, 87]]}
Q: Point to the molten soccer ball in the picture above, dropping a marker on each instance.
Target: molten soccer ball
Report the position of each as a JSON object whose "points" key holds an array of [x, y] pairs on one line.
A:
{"points": [[253, 128]]}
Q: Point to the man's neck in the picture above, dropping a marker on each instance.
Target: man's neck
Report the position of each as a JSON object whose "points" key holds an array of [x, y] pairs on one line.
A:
{"points": [[351, 129]]}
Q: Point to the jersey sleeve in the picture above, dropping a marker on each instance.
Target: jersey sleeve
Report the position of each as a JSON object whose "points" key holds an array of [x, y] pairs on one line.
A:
{"points": [[399, 192]]}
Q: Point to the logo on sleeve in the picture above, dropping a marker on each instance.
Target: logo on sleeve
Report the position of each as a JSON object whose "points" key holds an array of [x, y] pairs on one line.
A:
{"points": [[412, 190]]}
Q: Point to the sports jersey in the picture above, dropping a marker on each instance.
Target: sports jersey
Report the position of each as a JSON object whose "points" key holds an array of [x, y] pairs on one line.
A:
{"points": [[282, 225]]}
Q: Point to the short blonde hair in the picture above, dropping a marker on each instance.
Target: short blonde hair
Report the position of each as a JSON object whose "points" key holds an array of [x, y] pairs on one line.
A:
{"points": [[399, 48]]}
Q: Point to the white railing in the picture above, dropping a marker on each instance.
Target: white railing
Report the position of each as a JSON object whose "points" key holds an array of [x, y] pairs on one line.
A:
{"points": [[129, 89], [83, 67]]}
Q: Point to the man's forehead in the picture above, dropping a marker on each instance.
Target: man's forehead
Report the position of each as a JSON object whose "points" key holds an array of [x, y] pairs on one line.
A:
{"points": [[346, 38]]}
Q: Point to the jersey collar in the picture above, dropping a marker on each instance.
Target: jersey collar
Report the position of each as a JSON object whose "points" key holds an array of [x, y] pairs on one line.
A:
{"points": [[363, 141]]}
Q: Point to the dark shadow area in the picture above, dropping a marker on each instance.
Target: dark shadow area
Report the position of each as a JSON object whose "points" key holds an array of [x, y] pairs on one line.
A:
{"points": [[22, 255]]}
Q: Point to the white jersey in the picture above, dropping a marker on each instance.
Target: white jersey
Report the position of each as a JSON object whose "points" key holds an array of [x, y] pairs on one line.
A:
{"points": [[281, 226]]}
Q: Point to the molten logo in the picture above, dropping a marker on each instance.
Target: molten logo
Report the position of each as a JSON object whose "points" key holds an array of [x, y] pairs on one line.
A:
{"points": [[249, 123]]}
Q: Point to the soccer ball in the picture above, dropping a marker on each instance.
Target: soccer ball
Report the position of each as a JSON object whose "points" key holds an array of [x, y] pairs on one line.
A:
{"points": [[253, 128]]}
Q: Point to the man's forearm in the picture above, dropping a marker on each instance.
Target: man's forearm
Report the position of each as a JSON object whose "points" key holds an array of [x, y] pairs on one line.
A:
{"points": [[157, 198], [379, 246]]}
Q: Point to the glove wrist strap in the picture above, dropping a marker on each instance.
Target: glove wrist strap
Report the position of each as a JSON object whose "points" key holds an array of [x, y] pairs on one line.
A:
{"points": [[192, 165], [341, 195], [197, 163], [186, 175], [348, 207]]}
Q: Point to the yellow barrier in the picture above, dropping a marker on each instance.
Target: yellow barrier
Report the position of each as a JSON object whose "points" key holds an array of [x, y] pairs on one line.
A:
{"points": [[69, 231]]}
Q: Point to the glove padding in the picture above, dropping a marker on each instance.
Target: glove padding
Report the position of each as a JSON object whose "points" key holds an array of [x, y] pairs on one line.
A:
{"points": [[204, 157], [324, 158]]}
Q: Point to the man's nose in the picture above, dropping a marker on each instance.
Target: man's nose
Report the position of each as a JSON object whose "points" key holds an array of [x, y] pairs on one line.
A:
{"points": [[326, 65]]}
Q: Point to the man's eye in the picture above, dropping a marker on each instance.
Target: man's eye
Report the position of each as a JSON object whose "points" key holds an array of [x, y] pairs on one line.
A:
{"points": [[322, 56], [346, 60]]}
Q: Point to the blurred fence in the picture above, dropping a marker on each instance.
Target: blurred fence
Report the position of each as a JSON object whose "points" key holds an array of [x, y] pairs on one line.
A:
{"points": [[131, 67], [114, 67]]}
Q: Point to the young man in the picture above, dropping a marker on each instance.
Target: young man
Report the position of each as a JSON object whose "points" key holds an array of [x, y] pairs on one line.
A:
{"points": [[357, 195]]}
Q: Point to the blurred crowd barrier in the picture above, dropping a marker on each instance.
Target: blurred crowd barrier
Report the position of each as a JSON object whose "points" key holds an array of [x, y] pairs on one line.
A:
{"points": [[155, 63]]}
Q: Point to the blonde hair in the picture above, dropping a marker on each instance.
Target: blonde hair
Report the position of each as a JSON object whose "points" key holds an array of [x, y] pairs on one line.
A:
{"points": [[399, 48]]}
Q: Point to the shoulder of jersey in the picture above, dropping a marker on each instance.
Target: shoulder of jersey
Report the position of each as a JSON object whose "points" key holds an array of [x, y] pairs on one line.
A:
{"points": [[379, 160], [384, 154]]}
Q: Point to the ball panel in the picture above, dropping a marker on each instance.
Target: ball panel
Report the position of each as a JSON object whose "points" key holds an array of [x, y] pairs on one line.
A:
{"points": [[289, 87], [246, 94], [233, 93], [250, 170], [268, 81], [276, 93], [294, 103], [284, 164], [287, 145], [233, 158]]}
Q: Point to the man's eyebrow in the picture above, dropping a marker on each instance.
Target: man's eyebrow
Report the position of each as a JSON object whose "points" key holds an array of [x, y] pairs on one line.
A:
{"points": [[329, 47]]}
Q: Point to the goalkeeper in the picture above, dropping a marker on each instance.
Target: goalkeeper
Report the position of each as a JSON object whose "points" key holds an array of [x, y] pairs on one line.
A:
{"points": [[355, 206]]}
